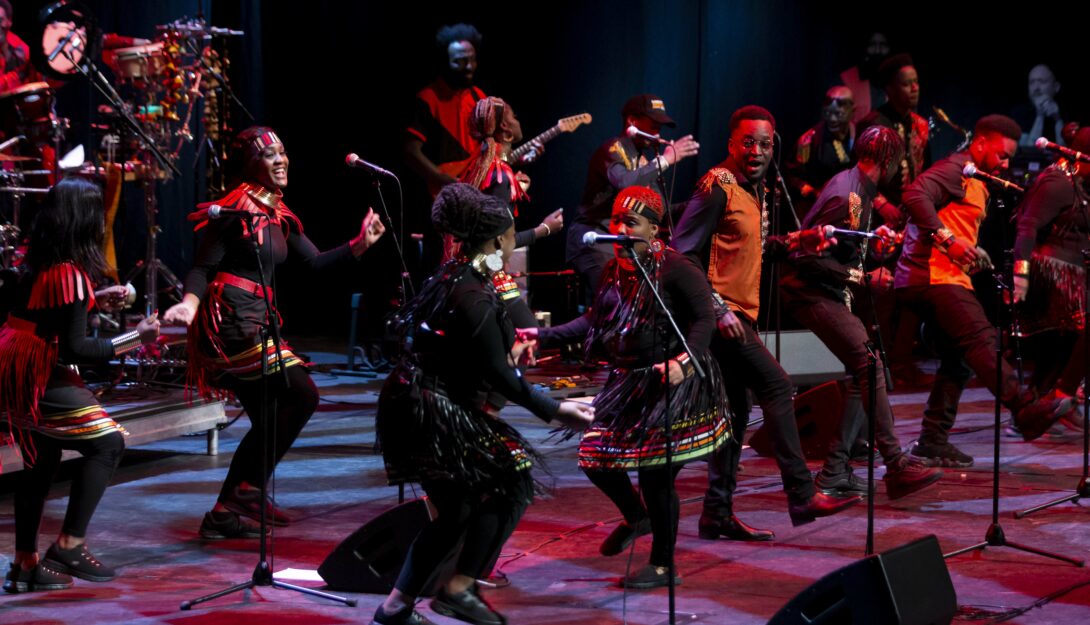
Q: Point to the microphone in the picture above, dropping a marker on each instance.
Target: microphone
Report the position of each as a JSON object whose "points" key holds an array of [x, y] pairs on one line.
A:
{"points": [[1044, 144], [634, 132], [354, 160], [854, 234], [593, 238], [216, 211], [970, 171], [71, 36]]}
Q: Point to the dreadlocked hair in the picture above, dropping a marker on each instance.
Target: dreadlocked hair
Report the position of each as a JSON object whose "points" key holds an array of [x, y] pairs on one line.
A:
{"points": [[468, 215], [880, 145]]}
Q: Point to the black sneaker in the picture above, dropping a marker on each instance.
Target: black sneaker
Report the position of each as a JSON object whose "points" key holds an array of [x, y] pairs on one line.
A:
{"points": [[844, 485], [649, 576], [223, 525], [407, 616], [623, 535], [78, 562], [466, 606], [906, 475], [41, 577], [248, 504], [941, 455]]}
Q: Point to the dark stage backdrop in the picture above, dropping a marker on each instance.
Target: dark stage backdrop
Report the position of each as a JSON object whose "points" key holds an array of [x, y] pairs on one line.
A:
{"points": [[338, 77]]}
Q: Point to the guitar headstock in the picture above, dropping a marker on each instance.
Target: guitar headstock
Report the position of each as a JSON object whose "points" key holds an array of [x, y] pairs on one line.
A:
{"points": [[568, 124]]}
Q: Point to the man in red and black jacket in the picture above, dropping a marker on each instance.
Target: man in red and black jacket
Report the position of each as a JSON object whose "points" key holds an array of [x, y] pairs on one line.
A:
{"points": [[940, 252]]}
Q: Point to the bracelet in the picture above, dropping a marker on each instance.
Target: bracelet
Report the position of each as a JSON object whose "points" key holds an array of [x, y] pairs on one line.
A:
{"points": [[125, 343], [686, 364], [718, 305], [943, 237], [548, 230], [1021, 267]]}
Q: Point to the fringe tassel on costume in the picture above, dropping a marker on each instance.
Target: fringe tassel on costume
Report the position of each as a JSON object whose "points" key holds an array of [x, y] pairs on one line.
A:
{"points": [[23, 379], [423, 433], [1055, 299]]}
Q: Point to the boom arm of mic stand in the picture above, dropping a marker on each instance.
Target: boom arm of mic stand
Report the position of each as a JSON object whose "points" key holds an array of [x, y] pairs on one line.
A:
{"points": [[99, 82], [662, 305]]}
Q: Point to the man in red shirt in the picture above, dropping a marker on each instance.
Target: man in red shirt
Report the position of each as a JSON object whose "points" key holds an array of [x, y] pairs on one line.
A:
{"points": [[15, 67], [438, 145]]}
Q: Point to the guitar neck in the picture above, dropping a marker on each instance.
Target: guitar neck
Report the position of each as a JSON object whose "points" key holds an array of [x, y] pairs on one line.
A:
{"points": [[542, 138]]}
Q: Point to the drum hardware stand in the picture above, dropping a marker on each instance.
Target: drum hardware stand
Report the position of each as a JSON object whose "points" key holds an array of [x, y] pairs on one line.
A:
{"points": [[152, 265]]}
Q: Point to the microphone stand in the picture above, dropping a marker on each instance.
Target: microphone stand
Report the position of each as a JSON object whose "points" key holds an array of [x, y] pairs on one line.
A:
{"points": [[263, 575], [994, 536], [368, 370], [779, 189], [668, 422]]}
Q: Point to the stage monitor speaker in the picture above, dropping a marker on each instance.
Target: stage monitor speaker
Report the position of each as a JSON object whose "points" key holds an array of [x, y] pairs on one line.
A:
{"points": [[370, 559], [907, 585], [804, 357], [817, 412]]}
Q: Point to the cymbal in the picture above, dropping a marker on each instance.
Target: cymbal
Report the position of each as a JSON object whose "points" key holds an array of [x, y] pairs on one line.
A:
{"points": [[7, 158]]}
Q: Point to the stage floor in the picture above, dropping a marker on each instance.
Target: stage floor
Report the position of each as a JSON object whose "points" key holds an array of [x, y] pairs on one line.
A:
{"points": [[333, 482]]}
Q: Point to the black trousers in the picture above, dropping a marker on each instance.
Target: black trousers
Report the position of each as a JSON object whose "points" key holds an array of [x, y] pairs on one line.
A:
{"points": [[661, 504], [274, 433], [748, 365], [482, 523], [967, 338], [100, 457], [846, 337]]}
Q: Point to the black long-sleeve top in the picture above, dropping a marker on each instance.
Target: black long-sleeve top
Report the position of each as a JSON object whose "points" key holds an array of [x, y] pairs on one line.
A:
{"points": [[938, 198], [845, 202], [614, 166], [685, 292], [66, 322], [502, 192], [1052, 219], [467, 349], [224, 248]]}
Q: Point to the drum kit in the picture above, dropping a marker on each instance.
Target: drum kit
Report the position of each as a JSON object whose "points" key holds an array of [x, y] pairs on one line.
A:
{"points": [[158, 89]]}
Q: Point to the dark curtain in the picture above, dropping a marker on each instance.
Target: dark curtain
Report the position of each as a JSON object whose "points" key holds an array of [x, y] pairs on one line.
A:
{"points": [[338, 77]]}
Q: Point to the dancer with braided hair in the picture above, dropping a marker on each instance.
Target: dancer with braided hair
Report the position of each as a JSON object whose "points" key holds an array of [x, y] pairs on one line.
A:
{"points": [[817, 291], [494, 124], [437, 425]]}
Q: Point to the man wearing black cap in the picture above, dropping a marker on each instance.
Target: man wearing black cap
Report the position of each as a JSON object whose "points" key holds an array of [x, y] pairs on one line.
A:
{"points": [[621, 162], [945, 211]]}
